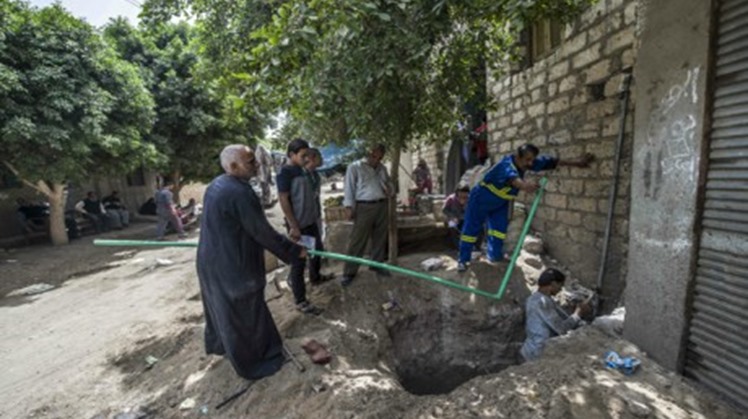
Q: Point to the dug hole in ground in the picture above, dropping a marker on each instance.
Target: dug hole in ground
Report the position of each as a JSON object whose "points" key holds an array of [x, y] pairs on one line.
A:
{"points": [[126, 342]]}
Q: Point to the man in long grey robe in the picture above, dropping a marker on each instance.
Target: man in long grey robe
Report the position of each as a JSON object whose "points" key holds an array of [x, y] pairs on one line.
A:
{"points": [[234, 234]]}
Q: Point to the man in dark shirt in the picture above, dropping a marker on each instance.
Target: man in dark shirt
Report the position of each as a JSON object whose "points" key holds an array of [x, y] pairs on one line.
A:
{"points": [[301, 209], [117, 212], [92, 209]]}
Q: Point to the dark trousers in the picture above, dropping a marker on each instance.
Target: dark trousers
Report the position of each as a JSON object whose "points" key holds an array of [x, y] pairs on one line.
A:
{"points": [[370, 222], [99, 221], [296, 274]]}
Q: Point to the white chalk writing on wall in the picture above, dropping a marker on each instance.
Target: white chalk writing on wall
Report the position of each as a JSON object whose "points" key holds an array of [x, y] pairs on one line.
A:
{"points": [[669, 149]]}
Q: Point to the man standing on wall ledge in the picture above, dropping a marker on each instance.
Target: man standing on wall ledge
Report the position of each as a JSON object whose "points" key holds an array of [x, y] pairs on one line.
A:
{"points": [[490, 199]]}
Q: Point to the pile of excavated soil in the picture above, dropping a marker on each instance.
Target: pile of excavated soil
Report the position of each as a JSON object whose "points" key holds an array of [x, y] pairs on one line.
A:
{"points": [[439, 353]]}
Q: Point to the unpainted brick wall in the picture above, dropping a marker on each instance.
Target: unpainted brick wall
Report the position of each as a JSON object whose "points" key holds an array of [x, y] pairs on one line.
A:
{"points": [[568, 104]]}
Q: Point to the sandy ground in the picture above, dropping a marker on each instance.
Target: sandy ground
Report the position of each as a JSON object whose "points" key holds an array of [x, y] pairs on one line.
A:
{"points": [[122, 334]]}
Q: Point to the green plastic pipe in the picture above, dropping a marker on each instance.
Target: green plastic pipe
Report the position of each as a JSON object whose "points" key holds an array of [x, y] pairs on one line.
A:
{"points": [[345, 258]]}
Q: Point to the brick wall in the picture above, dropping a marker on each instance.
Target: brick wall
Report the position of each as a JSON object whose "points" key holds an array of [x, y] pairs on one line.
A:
{"points": [[568, 104]]}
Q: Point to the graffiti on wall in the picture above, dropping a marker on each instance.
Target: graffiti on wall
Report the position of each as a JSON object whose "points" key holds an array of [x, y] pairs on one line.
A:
{"points": [[669, 150]]}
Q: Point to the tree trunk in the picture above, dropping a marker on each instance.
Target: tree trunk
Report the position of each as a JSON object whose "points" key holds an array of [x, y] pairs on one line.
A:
{"points": [[57, 230], [392, 207], [175, 177]]}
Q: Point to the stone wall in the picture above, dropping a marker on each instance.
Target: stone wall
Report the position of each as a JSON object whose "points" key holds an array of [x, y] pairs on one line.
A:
{"points": [[568, 104]]}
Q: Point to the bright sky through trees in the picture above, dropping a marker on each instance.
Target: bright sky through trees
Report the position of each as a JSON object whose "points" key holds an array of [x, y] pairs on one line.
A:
{"points": [[97, 12]]}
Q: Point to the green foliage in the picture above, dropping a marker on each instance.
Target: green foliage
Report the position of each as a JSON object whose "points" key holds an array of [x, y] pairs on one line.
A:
{"points": [[69, 107], [194, 119], [385, 70]]}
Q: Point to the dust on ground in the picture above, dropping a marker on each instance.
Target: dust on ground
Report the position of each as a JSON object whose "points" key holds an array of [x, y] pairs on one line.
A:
{"points": [[128, 340]]}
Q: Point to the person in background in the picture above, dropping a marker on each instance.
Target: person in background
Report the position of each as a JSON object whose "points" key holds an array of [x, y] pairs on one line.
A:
{"points": [[32, 217], [544, 319], [423, 181], [167, 211], [314, 161], [365, 198], [454, 212], [234, 236], [92, 209], [117, 212]]}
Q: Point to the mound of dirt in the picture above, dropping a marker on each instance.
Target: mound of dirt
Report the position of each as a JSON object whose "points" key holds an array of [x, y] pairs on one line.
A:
{"points": [[404, 347]]}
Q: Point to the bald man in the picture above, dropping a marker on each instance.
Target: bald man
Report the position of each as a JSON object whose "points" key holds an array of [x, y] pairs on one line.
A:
{"points": [[234, 234]]}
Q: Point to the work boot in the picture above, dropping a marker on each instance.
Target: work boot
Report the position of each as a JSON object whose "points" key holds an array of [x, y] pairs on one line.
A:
{"points": [[461, 267]]}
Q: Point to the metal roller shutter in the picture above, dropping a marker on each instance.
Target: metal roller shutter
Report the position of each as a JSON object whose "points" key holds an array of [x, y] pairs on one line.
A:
{"points": [[718, 334]]}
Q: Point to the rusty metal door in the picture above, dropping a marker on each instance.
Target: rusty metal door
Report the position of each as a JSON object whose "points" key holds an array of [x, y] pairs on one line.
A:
{"points": [[717, 349]]}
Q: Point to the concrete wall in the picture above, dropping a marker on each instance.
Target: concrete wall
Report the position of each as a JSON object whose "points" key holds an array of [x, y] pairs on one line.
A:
{"points": [[669, 142], [567, 104]]}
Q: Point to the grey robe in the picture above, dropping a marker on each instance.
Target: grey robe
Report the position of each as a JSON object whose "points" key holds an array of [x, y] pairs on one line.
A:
{"points": [[231, 267]]}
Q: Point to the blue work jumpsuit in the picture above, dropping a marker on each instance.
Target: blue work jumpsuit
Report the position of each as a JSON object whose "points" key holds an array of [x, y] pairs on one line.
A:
{"points": [[490, 199]]}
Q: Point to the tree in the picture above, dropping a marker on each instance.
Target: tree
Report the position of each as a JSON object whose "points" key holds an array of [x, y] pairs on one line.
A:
{"points": [[194, 119], [69, 107], [394, 71]]}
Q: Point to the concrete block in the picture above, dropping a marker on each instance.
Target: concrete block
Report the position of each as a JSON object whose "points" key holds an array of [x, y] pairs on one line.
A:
{"points": [[580, 97], [584, 204], [537, 80], [555, 200], [613, 86], [628, 58], [621, 39], [596, 188], [568, 83], [597, 72], [559, 70], [630, 13], [570, 218], [559, 137], [587, 56], [602, 109], [536, 110], [611, 126], [574, 44], [504, 122], [552, 89], [572, 187], [594, 222], [537, 94], [602, 149], [558, 105], [518, 116]]}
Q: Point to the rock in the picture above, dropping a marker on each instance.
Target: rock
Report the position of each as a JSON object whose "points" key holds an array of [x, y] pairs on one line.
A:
{"points": [[187, 404], [639, 409], [533, 245], [438, 411], [432, 264], [32, 290], [611, 324], [164, 262], [534, 261]]}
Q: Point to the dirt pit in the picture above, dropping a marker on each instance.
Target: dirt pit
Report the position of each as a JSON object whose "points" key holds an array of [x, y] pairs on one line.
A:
{"points": [[439, 349]]}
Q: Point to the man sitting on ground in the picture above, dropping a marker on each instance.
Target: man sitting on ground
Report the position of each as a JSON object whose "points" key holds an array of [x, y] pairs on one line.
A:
{"points": [[544, 319], [117, 212]]}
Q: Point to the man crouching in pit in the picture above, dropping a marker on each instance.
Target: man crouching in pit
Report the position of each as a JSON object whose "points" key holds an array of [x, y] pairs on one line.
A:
{"points": [[234, 234], [544, 319]]}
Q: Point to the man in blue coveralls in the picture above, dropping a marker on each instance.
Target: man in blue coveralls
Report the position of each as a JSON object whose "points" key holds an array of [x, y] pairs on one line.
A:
{"points": [[491, 198]]}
